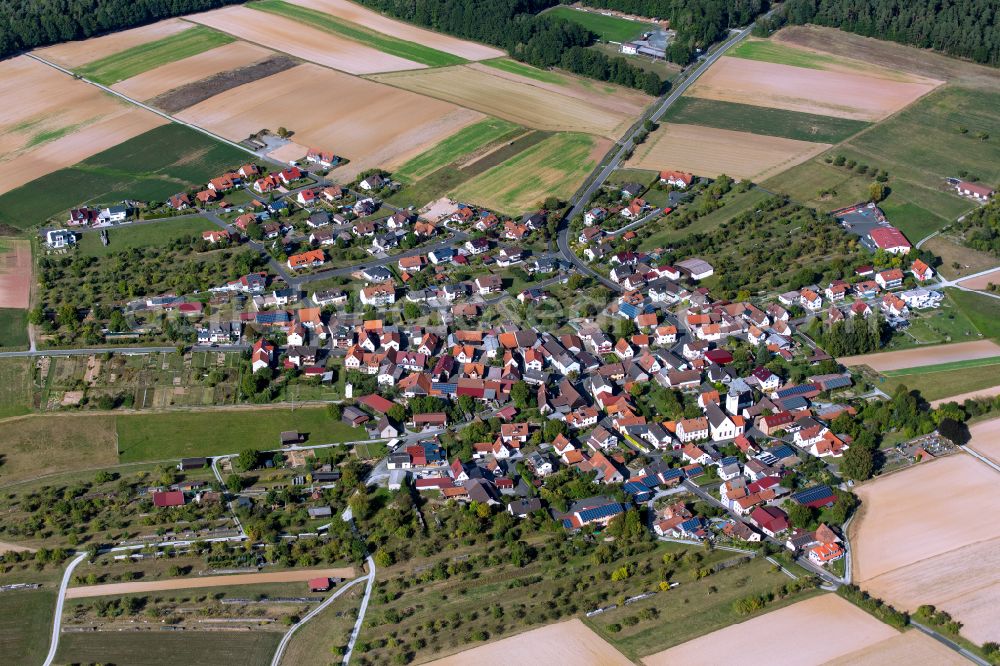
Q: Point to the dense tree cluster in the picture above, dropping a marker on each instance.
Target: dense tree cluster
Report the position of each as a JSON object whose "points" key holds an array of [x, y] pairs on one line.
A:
{"points": [[698, 23], [964, 28], [852, 336], [981, 228], [517, 27], [25, 24]]}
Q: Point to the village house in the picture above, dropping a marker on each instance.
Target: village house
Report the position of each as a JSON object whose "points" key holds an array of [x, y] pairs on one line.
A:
{"points": [[310, 259]]}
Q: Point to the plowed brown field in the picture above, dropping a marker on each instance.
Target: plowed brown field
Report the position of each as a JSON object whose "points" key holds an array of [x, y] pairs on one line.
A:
{"points": [[932, 355], [172, 75], [707, 151], [829, 93], [74, 54], [350, 11], [526, 101], [15, 274], [300, 40], [370, 124]]}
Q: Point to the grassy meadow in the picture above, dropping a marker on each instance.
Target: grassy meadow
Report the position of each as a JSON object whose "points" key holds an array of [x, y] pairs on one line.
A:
{"points": [[608, 28], [34, 446], [464, 142], [150, 167], [160, 648], [26, 625], [765, 50], [761, 120], [523, 69], [15, 388], [13, 327], [982, 311], [142, 235], [354, 31], [138, 59], [940, 381]]}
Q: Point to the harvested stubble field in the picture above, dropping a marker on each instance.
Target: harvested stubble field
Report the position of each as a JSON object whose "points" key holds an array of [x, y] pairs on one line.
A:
{"points": [[806, 628], [57, 121], [924, 537], [138, 59], [570, 642], [371, 124], [363, 16], [986, 439], [302, 41], [162, 648], [75, 54], [831, 93], [189, 70], [555, 167], [33, 446], [525, 100], [180, 98], [708, 151], [15, 273], [934, 355]]}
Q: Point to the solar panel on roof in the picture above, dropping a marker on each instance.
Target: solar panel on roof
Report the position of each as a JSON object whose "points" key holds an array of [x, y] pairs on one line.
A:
{"points": [[813, 494], [780, 452], [729, 460], [444, 387], [598, 512], [672, 474]]}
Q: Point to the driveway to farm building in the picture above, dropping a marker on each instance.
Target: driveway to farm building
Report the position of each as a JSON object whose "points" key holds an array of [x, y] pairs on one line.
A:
{"points": [[920, 356], [291, 576]]}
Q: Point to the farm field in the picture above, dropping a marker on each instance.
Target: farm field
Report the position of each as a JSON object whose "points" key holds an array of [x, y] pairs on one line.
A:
{"points": [[562, 643], [81, 52], [14, 328], [142, 235], [831, 93], [15, 388], [920, 539], [608, 28], [910, 647], [362, 16], [957, 260], [983, 281], [57, 121], [371, 124], [290, 576], [986, 439], [302, 41], [138, 59], [151, 166], [175, 74], [15, 273], [925, 356], [512, 66], [762, 120], [335, 25], [189, 94], [311, 644], [555, 167], [806, 627], [947, 381], [782, 53], [168, 436], [161, 648], [527, 100], [466, 141], [708, 151], [26, 625], [33, 446], [982, 311], [987, 392]]}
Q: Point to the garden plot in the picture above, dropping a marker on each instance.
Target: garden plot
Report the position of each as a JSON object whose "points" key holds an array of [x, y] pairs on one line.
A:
{"points": [[707, 151], [566, 105], [300, 40], [371, 124], [74, 54], [831, 93], [182, 72]]}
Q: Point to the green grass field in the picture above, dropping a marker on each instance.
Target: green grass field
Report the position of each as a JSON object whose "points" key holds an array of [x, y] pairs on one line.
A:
{"points": [[734, 204], [515, 67], [944, 383], [138, 59], [467, 140], [760, 120], [168, 436], [554, 167], [608, 28], [944, 367], [149, 167], [982, 311], [160, 648], [354, 31], [769, 51], [13, 327], [143, 235], [15, 387], [26, 625]]}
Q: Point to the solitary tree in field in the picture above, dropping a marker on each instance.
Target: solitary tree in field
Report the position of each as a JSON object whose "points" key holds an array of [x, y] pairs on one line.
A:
{"points": [[876, 191]]}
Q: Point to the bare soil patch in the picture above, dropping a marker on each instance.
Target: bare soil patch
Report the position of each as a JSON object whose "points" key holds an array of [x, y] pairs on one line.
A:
{"points": [[805, 628], [569, 642], [438, 209], [524, 101], [182, 97], [906, 649], [300, 40], [15, 274], [74, 54], [350, 11], [986, 437], [924, 537], [888, 54], [289, 152], [933, 355], [190, 70], [291, 576], [991, 392], [708, 151], [830, 93], [983, 281], [371, 124], [13, 548]]}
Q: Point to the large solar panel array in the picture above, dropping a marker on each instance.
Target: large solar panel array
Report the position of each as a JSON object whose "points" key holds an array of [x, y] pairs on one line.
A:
{"points": [[599, 512]]}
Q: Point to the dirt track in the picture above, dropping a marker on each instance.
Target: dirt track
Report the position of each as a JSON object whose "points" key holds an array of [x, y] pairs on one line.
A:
{"points": [[290, 576], [920, 356]]}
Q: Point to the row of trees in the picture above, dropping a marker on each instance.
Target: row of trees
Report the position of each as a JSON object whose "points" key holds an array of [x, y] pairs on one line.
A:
{"points": [[964, 28]]}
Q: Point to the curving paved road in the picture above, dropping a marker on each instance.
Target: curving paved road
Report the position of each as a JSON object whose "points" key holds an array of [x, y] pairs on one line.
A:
{"points": [[60, 601], [280, 652], [361, 612]]}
